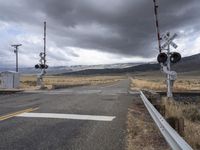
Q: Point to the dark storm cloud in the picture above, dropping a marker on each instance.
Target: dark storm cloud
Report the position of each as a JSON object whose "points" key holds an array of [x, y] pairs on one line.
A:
{"points": [[116, 26]]}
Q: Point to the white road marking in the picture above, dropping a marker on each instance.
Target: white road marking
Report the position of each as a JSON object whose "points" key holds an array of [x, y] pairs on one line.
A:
{"points": [[67, 116]]}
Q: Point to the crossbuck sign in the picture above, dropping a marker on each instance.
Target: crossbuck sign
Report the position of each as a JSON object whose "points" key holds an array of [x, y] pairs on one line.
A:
{"points": [[169, 41]]}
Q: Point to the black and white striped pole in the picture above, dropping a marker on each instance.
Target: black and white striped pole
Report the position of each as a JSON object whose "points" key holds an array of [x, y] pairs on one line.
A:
{"points": [[157, 24]]}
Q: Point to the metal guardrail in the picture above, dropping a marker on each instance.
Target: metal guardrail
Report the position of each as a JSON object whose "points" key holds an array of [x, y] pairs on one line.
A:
{"points": [[175, 141]]}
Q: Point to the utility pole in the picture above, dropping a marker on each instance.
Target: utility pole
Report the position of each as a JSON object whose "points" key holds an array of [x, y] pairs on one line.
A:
{"points": [[16, 52]]}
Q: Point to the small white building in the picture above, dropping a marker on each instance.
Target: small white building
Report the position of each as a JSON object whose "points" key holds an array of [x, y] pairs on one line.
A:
{"points": [[10, 79]]}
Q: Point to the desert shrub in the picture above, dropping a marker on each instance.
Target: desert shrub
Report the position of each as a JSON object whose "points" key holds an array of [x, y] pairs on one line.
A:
{"points": [[30, 83], [192, 114]]}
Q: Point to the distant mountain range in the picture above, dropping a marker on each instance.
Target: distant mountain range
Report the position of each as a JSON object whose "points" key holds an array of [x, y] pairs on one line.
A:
{"points": [[71, 69], [138, 68], [187, 64]]}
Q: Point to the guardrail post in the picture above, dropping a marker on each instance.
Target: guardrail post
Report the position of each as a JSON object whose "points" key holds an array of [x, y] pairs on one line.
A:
{"points": [[181, 126], [177, 124]]}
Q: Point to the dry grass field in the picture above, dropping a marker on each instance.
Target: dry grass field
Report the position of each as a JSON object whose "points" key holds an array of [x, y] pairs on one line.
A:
{"points": [[29, 81], [190, 111], [191, 115], [157, 81]]}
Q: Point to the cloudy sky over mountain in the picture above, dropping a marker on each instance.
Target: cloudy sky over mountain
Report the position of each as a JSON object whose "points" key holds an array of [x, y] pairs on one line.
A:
{"points": [[94, 31]]}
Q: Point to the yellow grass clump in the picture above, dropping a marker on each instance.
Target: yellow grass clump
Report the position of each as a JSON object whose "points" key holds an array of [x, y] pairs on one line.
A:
{"points": [[190, 112], [191, 115], [160, 84]]}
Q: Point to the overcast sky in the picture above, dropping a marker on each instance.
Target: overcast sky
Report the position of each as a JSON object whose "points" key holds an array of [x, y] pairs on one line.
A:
{"points": [[86, 32]]}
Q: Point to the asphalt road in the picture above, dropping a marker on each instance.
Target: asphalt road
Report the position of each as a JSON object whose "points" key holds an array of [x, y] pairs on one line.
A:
{"points": [[79, 133]]}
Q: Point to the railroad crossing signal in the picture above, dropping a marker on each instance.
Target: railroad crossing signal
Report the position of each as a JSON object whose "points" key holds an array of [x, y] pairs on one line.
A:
{"points": [[169, 40], [42, 61], [168, 58], [42, 65], [42, 57], [174, 57]]}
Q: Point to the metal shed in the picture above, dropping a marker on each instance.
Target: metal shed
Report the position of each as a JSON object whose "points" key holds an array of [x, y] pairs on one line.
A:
{"points": [[10, 79]]}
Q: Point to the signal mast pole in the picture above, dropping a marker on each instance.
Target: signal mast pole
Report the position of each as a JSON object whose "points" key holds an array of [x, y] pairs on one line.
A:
{"points": [[42, 61], [166, 58], [169, 82]]}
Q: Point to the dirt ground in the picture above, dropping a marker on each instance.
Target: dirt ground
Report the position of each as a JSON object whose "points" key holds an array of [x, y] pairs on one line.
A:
{"points": [[143, 134]]}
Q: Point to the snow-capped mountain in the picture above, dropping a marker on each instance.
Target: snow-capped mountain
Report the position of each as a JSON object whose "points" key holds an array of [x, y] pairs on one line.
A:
{"points": [[65, 69]]}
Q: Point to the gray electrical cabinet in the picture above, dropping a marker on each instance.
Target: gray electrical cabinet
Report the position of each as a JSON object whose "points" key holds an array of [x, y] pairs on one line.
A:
{"points": [[10, 80]]}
